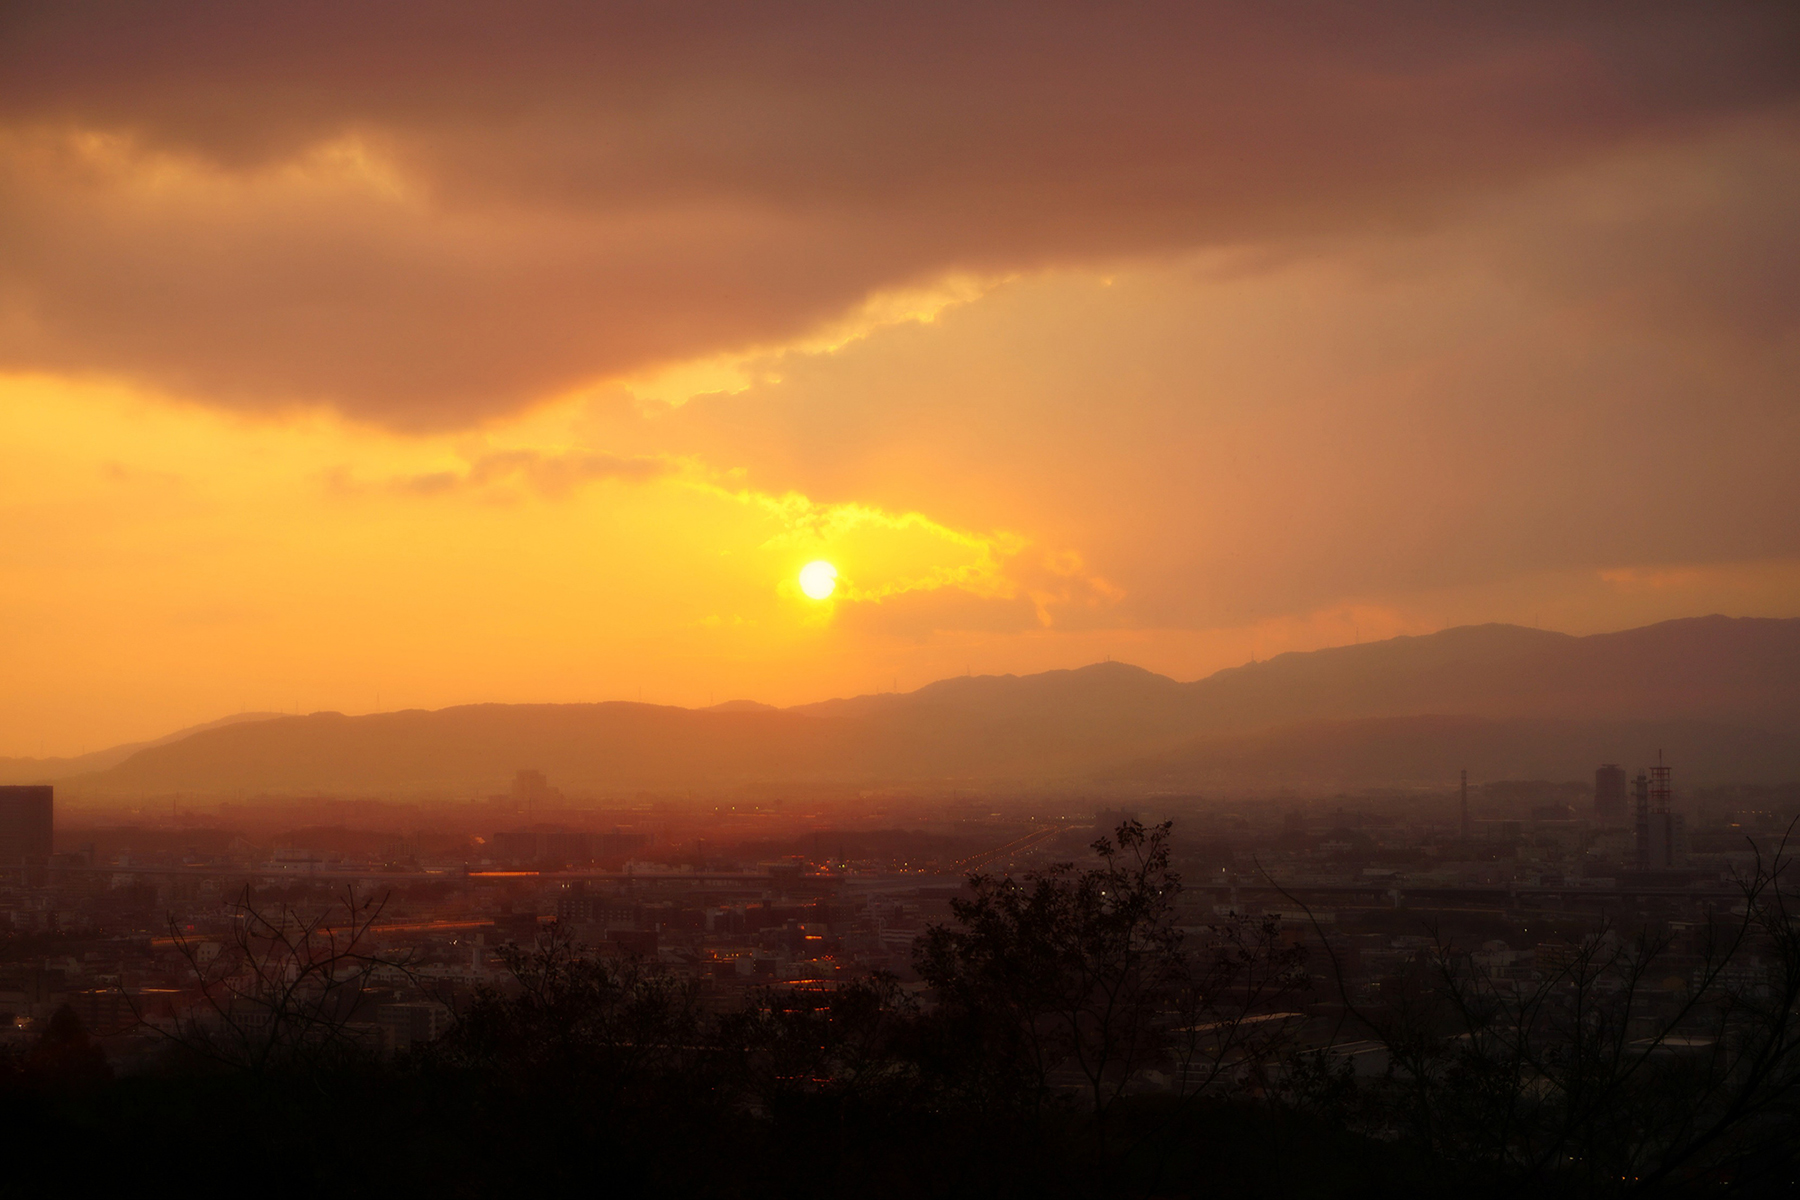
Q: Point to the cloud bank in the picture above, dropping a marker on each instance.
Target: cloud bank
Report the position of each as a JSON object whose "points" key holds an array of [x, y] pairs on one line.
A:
{"points": [[432, 218]]}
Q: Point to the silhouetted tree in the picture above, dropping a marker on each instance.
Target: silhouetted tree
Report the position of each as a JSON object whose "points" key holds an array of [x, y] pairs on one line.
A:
{"points": [[850, 1040], [1063, 970], [1081, 982], [1619, 1067], [570, 1010], [64, 1056], [284, 989]]}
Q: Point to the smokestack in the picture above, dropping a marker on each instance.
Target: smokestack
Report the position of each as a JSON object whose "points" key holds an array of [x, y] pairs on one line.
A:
{"points": [[1659, 785], [1463, 826]]}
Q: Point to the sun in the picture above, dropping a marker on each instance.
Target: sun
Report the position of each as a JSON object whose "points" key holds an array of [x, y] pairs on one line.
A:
{"points": [[818, 579]]}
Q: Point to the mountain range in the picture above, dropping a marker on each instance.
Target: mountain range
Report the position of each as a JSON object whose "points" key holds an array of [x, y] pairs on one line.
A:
{"points": [[48, 770], [1720, 696]]}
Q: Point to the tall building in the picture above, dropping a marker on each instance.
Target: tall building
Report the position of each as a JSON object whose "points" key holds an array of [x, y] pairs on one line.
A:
{"points": [[27, 822], [1609, 794], [532, 793], [1659, 830], [1462, 825]]}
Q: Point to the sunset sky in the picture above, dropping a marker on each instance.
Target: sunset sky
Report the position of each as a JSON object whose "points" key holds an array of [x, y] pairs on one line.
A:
{"points": [[365, 356]]}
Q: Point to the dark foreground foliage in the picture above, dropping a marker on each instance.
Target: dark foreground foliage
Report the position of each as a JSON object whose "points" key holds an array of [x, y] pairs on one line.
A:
{"points": [[460, 1133], [1076, 1041]]}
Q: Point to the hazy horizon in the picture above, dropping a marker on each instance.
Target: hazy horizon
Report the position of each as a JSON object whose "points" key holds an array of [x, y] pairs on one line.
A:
{"points": [[150, 736], [1719, 694]]}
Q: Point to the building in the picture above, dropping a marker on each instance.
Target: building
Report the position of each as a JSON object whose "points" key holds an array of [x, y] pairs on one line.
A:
{"points": [[413, 1023], [27, 823], [1659, 831], [1609, 795], [532, 793]]}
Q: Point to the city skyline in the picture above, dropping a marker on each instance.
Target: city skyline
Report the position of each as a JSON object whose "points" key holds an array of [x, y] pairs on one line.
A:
{"points": [[1064, 600]]}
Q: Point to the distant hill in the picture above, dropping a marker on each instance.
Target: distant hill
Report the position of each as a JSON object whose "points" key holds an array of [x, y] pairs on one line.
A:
{"points": [[1722, 695], [1702, 668], [741, 706], [49, 770]]}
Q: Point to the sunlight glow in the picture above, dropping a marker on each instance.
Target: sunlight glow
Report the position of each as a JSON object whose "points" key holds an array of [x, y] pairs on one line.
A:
{"points": [[818, 579]]}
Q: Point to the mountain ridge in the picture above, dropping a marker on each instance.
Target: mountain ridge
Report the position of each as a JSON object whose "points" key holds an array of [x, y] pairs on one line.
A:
{"points": [[49, 770], [1738, 678]]}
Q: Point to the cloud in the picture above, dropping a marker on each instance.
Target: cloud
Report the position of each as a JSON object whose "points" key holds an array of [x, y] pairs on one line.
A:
{"points": [[549, 474], [1561, 380], [1026, 589], [898, 572], [1715, 581], [431, 220]]}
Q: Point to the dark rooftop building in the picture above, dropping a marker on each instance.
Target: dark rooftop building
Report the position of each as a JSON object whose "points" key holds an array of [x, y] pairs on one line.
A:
{"points": [[27, 822]]}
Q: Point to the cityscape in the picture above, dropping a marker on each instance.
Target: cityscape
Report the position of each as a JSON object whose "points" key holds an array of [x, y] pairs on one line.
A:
{"points": [[119, 918], [1140, 938], [1052, 601]]}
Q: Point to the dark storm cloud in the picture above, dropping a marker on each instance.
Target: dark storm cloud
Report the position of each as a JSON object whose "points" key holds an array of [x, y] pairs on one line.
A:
{"points": [[433, 215]]}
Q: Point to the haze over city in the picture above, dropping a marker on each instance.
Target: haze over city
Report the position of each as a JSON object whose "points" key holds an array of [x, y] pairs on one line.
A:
{"points": [[912, 599]]}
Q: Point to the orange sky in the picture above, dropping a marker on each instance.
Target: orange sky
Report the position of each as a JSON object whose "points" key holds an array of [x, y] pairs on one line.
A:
{"points": [[527, 352]]}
